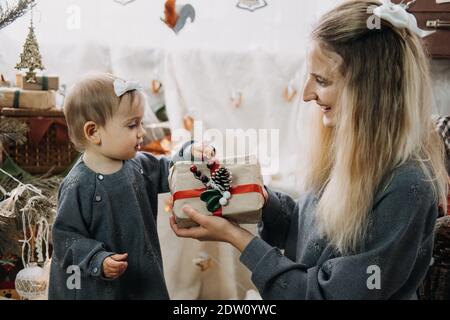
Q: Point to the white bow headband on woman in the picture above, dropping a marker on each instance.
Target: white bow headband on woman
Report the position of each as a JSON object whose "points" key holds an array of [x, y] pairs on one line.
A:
{"points": [[121, 86], [397, 15]]}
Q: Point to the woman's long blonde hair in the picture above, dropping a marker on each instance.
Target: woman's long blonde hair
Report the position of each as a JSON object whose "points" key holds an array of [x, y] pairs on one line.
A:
{"points": [[383, 120]]}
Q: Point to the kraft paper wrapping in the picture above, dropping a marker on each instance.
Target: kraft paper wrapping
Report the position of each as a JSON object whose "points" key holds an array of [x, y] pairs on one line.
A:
{"points": [[241, 208], [52, 83], [28, 99]]}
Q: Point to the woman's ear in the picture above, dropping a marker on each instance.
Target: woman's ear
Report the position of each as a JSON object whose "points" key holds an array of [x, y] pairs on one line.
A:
{"points": [[91, 132]]}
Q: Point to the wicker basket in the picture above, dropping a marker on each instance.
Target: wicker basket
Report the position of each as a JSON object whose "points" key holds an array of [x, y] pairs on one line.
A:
{"points": [[49, 155]]}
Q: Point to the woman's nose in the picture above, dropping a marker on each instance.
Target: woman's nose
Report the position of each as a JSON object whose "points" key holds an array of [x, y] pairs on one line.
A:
{"points": [[308, 93]]}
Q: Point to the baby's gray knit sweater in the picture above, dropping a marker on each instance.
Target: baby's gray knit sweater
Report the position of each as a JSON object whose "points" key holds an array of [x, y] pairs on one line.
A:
{"points": [[397, 246], [101, 215]]}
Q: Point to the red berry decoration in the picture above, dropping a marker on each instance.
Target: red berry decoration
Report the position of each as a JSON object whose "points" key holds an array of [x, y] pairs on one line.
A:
{"points": [[193, 169]]}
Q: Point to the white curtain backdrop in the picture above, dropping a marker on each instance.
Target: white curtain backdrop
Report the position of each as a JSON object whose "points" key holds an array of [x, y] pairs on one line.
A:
{"points": [[226, 50]]}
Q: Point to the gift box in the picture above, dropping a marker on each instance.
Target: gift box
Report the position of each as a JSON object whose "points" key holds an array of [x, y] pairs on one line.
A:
{"points": [[231, 188], [28, 99], [42, 83], [3, 82]]}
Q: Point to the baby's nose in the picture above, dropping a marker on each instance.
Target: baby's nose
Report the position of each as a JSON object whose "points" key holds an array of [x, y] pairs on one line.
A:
{"points": [[142, 132]]}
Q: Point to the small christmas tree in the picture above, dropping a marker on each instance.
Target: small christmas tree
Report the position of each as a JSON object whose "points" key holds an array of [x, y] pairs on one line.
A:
{"points": [[30, 58]]}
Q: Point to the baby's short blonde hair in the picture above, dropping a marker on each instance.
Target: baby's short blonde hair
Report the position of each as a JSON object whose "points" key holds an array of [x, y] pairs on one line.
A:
{"points": [[93, 99]]}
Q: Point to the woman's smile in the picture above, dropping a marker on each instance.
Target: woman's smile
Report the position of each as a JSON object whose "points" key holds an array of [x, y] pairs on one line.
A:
{"points": [[325, 109]]}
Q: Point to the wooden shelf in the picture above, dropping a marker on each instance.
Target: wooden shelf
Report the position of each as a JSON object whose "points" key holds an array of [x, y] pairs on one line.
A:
{"points": [[13, 112]]}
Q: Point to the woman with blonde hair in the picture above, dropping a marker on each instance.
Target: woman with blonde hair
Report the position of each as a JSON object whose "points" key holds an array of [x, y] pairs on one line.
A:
{"points": [[364, 229]]}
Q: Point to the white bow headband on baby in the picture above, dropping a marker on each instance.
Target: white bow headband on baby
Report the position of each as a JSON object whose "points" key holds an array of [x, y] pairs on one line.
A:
{"points": [[121, 86], [397, 15]]}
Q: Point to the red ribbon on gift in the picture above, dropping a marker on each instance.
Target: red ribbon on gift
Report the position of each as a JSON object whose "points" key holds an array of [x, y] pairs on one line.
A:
{"points": [[195, 193]]}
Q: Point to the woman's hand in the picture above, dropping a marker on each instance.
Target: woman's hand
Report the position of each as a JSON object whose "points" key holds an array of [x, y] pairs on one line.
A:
{"points": [[212, 229]]}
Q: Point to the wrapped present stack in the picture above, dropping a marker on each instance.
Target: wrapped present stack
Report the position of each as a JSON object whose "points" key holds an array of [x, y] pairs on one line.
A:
{"points": [[39, 95], [33, 103], [231, 188], [44, 83]]}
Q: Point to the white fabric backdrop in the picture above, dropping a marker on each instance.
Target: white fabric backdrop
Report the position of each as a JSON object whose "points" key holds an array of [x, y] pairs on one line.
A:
{"points": [[226, 49]]}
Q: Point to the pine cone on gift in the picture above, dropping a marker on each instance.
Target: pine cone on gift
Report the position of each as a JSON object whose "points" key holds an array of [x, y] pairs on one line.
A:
{"points": [[222, 178]]}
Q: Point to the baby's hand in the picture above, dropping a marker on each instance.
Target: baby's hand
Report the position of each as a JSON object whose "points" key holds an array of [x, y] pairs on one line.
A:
{"points": [[114, 266], [203, 151]]}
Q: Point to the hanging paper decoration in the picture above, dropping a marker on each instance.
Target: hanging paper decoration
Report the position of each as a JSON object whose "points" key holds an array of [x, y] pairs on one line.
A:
{"points": [[175, 17], [251, 5], [290, 92], [156, 82], [124, 2], [236, 99], [203, 261], [188, 123], [156, 86]]}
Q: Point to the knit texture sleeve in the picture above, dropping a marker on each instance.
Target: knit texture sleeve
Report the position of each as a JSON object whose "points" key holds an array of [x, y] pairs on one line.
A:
{"points": [[394, 257]]}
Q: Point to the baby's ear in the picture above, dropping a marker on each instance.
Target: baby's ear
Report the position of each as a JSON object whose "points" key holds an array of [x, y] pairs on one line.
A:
{"points": [[91, 132]]}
